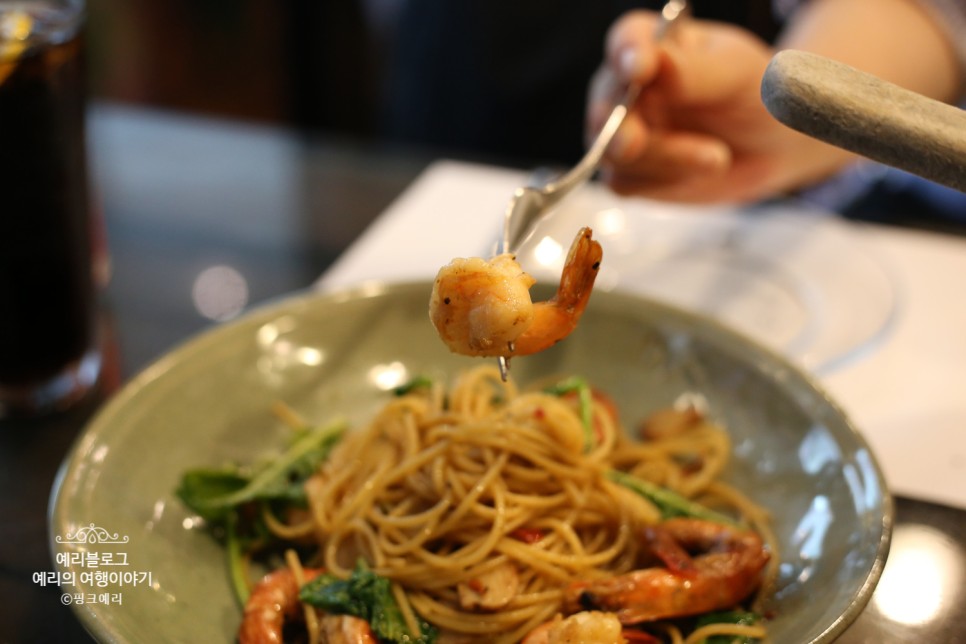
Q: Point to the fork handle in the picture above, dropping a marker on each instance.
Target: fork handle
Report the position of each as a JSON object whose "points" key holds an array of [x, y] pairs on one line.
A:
{"points": [[864, 114], [672, 13]]}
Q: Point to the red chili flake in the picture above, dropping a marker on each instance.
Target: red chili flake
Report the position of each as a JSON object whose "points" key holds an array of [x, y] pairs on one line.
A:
{"points": [[476, 586], [528, 536], [539, 413]]}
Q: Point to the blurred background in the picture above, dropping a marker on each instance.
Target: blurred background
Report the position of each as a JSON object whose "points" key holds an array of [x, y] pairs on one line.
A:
{"points": [[491, 79], [494, 81]]}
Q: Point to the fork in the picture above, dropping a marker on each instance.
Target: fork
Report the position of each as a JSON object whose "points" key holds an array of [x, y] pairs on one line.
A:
{"points": [[531, 202]]}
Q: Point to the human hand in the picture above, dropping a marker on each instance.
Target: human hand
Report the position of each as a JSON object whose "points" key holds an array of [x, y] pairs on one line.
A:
{"points": [[698, 131]]}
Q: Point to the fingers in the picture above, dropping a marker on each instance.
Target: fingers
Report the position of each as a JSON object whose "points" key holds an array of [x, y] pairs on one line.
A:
{"points": [[700, 61], [631, 49], [647, 160], [712, 63], [631, 57], [699, 116], [643, 147]]}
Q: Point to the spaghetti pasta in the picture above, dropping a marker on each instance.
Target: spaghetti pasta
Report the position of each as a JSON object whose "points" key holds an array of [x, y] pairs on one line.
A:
{"points": [[481, 503]]}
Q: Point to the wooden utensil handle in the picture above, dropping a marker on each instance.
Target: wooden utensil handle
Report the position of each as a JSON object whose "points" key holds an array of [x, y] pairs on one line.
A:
{"points": [[864, 114]]}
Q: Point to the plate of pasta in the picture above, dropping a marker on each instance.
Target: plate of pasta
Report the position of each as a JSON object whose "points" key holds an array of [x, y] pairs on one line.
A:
{"points": [[325, 470]]}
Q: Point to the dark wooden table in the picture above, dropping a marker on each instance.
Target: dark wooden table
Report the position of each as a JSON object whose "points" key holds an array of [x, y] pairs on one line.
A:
{"points": [[181, 194]]}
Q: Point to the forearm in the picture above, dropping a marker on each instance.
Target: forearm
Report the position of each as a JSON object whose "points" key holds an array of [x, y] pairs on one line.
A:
{"points": [[896, 40], [700, 131]]}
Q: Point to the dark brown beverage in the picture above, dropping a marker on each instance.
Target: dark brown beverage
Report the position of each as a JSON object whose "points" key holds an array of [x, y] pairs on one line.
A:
{"points": [[46, 289]]}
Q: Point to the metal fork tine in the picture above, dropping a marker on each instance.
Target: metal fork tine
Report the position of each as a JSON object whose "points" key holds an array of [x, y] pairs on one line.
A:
{"points": [[504, 364]]}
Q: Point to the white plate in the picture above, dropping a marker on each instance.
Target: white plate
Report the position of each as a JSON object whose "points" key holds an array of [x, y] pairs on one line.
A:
{"points": [[794, 278]]}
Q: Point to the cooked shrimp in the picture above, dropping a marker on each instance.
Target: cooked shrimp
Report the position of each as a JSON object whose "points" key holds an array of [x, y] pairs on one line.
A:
{"points": [[483, 308], [587, 626], [727, 570], [346, 629], [273, 600]]}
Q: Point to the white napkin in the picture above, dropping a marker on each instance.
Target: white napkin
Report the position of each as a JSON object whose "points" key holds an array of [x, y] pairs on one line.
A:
{"points": [[420, 232]]}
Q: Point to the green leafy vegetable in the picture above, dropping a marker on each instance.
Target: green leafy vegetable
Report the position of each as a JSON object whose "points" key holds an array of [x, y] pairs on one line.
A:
{"points": [[419, 382], [199, 486], [368, 596], [579, 386], [236, 566], [212, 493], [225, 497], [671, 504], [741, 617]]}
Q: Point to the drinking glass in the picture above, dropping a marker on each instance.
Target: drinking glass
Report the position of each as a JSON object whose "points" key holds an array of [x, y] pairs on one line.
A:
{"points": [[48, 346]]}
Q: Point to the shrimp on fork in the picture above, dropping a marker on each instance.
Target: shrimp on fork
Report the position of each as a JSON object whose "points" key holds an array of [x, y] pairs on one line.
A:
{"points": [[483, 307]]}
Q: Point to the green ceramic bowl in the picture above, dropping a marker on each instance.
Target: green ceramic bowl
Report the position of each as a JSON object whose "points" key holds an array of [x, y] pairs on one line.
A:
{"points": [[138, 572]]}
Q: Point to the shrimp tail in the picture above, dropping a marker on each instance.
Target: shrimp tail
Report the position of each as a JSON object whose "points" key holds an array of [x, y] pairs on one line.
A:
{"points": [[273, 601], [556, 318], [724, 573], [579, 274]]}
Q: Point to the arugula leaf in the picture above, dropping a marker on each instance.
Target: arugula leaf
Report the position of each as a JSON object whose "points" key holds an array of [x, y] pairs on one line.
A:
{"points": [[671, 504], [226, 498], [200, 485], [368, 596], [212, 493]]}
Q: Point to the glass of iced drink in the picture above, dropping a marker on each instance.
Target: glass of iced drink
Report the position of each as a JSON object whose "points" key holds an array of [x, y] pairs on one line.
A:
{"points": [[48, 345]]}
